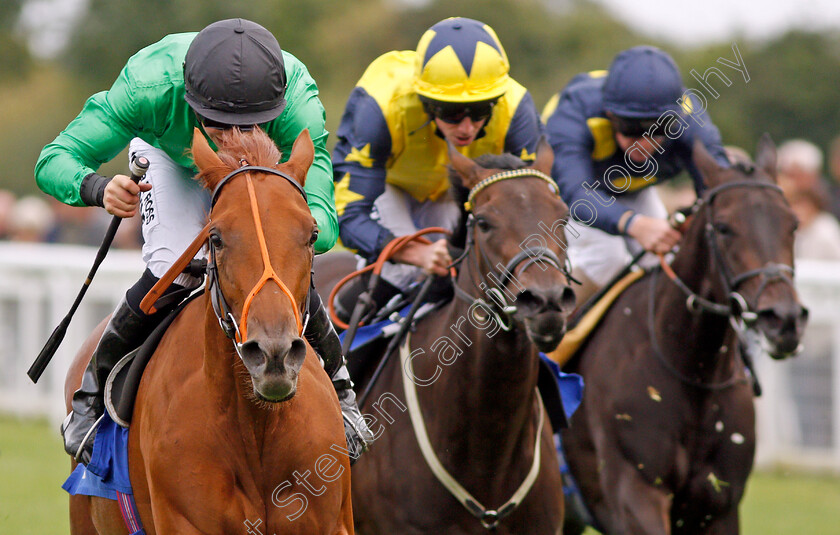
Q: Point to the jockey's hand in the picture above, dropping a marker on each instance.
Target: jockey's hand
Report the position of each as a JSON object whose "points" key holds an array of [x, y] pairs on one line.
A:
{"points": [[122, 196], [433, 258], [655, 235]]}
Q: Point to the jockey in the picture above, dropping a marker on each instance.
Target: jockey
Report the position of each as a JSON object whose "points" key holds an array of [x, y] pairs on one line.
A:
{"points": [[232, 73], [391, 156], [614, 134]]}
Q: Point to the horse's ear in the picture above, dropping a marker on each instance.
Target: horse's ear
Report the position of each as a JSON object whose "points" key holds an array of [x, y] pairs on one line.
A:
{"points": [[766, 155], [302, 156], [203, 155], [468, 170], [706, 164], [545, 157]]}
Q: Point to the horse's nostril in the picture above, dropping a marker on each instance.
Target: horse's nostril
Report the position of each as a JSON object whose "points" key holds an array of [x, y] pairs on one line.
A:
{"points": [[530, 302], [568, 299]]}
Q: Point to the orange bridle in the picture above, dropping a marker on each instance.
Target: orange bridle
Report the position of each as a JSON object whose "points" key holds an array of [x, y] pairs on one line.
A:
{"points": [[268, 272], [238, 331]]}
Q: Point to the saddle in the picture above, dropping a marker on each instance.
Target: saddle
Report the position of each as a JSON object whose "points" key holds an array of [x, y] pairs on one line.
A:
{"points": [[124, 380]]}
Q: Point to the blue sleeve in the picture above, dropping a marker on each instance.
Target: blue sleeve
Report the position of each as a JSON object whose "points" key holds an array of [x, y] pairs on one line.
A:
{"points": [[525, 129], [572, 142], [359, 159], [703, 129]]}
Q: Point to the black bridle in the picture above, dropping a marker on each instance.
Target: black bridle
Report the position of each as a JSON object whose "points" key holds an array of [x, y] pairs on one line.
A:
{"points": [[738, 311], [494, 288], [737, 306]]}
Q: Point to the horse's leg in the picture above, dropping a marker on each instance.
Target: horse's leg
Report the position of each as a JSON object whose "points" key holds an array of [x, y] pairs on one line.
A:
{"points": [[636, 507], [80, 521], [728, 524], [106, 516]]}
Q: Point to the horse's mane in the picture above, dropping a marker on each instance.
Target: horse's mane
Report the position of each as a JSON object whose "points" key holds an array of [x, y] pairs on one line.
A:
{"points": [[253, 146], [460, 193]]}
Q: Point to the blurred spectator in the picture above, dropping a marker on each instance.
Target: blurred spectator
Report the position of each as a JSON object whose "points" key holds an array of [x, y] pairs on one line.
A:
{"points": [[834, 172], [7, 204], [129, 235], [32, 218], [818, 236], [81, 226], [799, 164]]}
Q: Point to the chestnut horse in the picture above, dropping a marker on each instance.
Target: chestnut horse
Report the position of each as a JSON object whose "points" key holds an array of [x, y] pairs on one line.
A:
{"points": [[226, 432], [470, 371], [664, 440]]}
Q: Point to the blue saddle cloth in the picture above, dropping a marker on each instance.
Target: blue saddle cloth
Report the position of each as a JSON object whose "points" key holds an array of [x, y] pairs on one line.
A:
{"points": [[570, 384], [107, 471]]}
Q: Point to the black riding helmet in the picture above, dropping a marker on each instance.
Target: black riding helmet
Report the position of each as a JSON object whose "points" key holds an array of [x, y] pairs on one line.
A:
{"points": [[234, 74]]}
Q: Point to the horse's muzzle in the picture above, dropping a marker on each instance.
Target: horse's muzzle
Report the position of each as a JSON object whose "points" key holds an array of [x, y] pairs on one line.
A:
{"points": [[544, 312], [274, 365], [782, 326]]}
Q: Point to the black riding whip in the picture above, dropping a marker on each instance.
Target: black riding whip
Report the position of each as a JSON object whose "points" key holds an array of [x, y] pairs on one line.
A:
{"points": [[396, 340], [137, 167]]}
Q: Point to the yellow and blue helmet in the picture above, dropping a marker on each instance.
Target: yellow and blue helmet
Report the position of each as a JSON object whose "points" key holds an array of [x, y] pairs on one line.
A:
{"points": [[461, 60]]}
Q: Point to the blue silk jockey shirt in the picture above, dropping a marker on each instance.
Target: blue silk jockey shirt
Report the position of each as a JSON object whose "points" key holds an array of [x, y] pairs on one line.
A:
{"points": [[385, 136], [585, 149]]}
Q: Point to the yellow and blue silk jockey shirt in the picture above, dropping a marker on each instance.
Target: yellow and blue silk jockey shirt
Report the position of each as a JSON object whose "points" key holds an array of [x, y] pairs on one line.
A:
{"points": [[590, 166], [385, 136], [147, 101]]}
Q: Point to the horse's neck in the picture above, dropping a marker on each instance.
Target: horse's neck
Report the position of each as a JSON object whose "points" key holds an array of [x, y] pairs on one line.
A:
{"points": [[694, 342], [493, 388], [228, 383]]}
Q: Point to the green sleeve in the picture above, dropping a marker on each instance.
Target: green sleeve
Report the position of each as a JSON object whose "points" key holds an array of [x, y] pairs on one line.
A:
{"points": [[104, 127], [304, 110]]}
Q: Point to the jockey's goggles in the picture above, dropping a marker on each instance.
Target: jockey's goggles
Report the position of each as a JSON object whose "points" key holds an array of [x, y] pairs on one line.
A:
{"points": [[455, 112], [210, 123], [632, 127]]}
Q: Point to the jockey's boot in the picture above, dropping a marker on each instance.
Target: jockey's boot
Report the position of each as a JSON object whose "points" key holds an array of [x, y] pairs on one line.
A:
{"points": [[124, 332], [324, 340]]}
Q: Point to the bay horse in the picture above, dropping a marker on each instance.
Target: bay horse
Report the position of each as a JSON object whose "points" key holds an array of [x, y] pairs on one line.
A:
{"points": [[665, 437], [469, 373], [226, 432]]}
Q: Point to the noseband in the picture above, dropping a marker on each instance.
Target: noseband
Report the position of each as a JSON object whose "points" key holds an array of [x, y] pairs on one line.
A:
{"points": [[238, 331], [507, 272]]}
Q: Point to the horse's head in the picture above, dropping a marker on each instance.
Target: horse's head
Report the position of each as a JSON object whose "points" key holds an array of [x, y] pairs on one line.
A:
{"points": [[515, 236], [748, 229], [261, 237]]}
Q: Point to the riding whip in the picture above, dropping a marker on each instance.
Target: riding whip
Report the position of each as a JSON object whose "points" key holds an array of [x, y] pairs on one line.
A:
{"points": [[138, 167]]}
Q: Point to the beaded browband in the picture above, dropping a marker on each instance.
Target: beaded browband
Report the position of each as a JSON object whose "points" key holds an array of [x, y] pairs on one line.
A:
{"points": [[504, 175]]}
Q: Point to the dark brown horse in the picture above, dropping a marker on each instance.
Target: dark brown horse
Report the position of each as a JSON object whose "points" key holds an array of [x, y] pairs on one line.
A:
{"points": [[664, 440], [228, 431], [471, 370]]}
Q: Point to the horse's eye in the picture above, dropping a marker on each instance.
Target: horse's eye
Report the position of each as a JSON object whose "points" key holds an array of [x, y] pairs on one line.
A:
{"points": [[314, 237], [723, 229], [216, 240], [483, 225]]}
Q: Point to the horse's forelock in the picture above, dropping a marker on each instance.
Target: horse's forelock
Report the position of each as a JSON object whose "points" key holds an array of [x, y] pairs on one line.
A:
{"points": [[460, 193], [236, 147]]}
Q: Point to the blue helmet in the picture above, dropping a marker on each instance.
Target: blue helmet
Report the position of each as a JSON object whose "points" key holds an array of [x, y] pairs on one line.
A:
{"points": [[643, 82]]}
